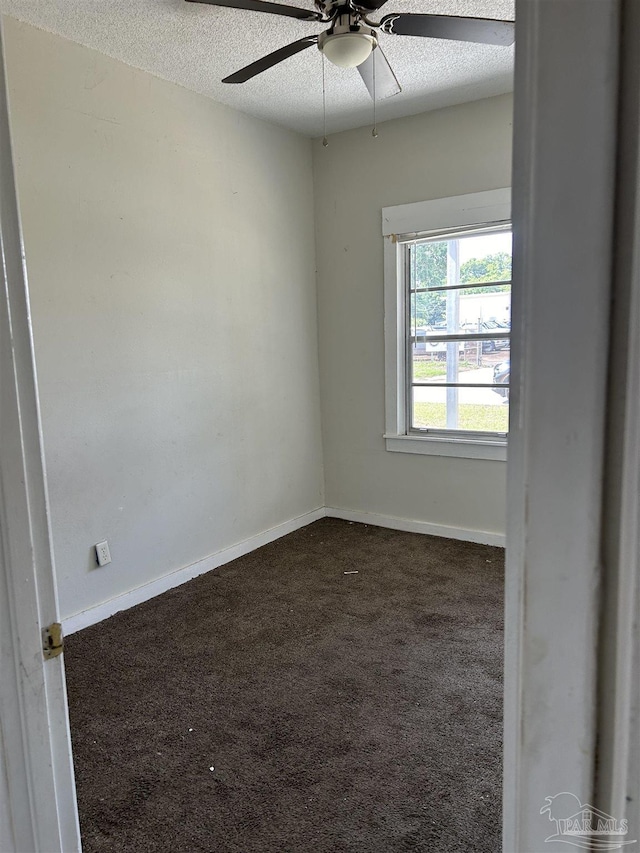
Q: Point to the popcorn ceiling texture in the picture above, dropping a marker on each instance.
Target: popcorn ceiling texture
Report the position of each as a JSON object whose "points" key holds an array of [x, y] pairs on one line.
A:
{"points": [[197, 45]]}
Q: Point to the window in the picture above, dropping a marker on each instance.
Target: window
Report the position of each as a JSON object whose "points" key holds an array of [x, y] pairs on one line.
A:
{"points": [[447, 325]]}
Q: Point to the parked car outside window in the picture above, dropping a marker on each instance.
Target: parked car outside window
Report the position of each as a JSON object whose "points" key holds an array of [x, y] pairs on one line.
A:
{"points": [[501, 376], [489, 326]]}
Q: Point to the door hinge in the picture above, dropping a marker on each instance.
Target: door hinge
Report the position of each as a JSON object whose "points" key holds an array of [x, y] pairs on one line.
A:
{"points": [[52, 640]]}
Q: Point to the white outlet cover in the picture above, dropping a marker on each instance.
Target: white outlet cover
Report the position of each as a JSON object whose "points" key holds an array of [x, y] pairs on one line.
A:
{"points": [[102, 553]]}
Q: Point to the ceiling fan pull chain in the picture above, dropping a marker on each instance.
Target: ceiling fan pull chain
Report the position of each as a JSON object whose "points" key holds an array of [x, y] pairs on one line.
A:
{"points": [[325, 141], [374, 132]]}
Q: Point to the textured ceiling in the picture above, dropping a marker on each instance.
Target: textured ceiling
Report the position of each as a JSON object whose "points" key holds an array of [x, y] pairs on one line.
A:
{"points": [[196, 46]]}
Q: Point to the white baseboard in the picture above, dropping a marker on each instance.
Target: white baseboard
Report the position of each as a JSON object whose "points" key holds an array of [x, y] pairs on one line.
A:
{"points": [[156, 587], [482, 537]]}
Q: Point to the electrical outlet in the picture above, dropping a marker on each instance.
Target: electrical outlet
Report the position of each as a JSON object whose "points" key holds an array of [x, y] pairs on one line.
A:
{"points": [[102, 553]]}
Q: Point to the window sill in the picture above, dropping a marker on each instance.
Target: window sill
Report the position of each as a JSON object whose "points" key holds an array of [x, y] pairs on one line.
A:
{"points": [[431, 446]]}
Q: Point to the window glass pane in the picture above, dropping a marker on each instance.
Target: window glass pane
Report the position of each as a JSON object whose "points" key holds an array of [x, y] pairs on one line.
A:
{"points": [[430, 411], [429, 264], [474, 258], [469, 259], [465, 259], [485, 257], [485, 409], [457, 312], [460, 361], [428, 311], [434, 361]]}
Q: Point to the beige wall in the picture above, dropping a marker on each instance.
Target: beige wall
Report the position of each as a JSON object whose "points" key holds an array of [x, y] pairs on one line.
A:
{"points": [[170, 252], [459, 150]]}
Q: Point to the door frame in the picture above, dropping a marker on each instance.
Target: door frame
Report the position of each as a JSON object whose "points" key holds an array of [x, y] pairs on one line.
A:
{"points": [[37, 778], [618, 779], [567, 136]]}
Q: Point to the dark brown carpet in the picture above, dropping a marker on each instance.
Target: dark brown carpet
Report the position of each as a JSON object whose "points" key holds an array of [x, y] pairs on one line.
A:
{"points": [[279, 705]]}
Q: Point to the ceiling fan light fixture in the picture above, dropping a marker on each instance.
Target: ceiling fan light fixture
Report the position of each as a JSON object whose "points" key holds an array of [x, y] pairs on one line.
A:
{"points": [[349, 49]]}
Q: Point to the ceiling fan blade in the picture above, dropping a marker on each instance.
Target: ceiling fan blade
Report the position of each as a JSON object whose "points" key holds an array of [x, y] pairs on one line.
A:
{"points": [[265, 6], [270, 60], [386, 83], [480, 30]]}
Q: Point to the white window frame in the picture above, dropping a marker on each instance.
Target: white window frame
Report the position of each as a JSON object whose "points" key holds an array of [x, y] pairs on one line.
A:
{"points": [[442, 214]]}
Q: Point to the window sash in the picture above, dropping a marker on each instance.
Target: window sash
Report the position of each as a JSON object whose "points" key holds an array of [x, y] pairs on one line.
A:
{"points": [[439, 337], [460, 286], [439, 235], [462, 337], [459, 434], [424, 384]]}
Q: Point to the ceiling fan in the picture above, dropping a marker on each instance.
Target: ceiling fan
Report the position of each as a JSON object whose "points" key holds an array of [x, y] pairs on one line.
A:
{"points": [[352, 37]]}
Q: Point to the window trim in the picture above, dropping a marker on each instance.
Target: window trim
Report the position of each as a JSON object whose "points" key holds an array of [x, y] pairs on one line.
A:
{"points": [[492, 207]]}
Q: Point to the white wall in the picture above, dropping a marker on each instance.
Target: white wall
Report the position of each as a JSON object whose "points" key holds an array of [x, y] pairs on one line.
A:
{"points": [[170, 252], [459, 150]]}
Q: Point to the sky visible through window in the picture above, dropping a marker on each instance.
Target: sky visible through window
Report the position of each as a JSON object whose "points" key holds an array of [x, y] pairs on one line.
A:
{"points": [[480, 246]]}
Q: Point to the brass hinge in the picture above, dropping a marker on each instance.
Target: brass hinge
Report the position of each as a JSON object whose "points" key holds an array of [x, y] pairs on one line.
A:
{"points": [[52, 640]]}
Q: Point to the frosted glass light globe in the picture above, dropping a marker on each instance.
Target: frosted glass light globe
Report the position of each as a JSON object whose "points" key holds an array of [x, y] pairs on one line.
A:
{"points": [[348, 49]]}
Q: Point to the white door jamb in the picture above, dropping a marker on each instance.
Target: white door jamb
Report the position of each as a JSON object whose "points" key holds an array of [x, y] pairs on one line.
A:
{"points": [[563, 211], [35, 750]]}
